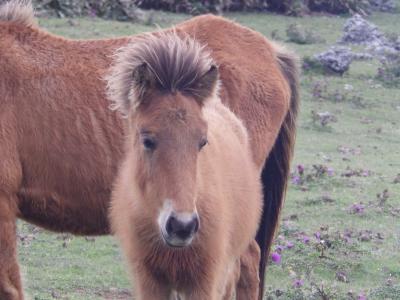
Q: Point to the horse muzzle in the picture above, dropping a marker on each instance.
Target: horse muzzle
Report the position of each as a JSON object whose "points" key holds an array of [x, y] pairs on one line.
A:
{"points": [[179, 229]]}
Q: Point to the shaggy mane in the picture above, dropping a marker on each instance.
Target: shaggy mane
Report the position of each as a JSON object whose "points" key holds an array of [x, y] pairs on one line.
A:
{"points": [[18, 11], [177, 63]]}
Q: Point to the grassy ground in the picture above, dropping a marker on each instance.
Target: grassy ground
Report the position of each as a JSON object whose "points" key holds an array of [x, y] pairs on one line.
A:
{"points": [[338, 239]]}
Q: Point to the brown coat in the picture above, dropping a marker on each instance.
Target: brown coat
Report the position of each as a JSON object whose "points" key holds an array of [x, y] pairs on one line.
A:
{"points": [[60, 144]]}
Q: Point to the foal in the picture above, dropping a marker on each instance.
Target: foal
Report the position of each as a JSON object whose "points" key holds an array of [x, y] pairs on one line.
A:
{"points": [[187, 200]]}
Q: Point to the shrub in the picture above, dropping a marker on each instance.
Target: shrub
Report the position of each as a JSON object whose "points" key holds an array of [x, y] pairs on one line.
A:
{"points": [[322, 118], [322, 92], [120, 10], [108, 8], [310, 64], [301, 7], [288, 7], [340, 6], [202, 6], [389, 71], [297, 34]]}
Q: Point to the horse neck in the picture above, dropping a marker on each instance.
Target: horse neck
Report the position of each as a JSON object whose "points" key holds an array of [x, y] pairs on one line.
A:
{"points": [[220, 118]]}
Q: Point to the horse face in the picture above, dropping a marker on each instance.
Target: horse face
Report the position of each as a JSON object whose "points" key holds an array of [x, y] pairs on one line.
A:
{"points": [[170, 135]]}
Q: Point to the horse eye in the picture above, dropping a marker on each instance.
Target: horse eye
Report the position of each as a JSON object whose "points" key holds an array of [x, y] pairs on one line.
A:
{"points": [[149, 143], [203, 142]]}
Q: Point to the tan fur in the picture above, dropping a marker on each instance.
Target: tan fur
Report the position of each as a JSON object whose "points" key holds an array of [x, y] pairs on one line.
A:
{"points": [[221, 182], [60, 144]]}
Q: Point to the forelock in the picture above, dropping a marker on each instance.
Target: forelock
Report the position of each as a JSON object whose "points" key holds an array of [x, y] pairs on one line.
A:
{"points": [[176, 61]]}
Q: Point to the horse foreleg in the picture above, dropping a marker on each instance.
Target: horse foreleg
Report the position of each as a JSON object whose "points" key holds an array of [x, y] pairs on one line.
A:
{"points": [[219, 283], [248, 284], [146, 287], [10, 281], [210, 294], [232, 280]]}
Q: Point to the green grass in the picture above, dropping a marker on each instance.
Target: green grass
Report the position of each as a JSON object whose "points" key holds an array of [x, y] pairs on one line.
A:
{"points": [[80, 269]]}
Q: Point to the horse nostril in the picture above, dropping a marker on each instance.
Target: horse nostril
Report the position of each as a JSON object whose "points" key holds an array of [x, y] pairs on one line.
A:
{"points": [[182, 229], [171, 225]]}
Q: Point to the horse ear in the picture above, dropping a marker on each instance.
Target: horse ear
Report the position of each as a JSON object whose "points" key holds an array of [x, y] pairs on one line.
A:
{"points": [[206, 84], [143, 79]]}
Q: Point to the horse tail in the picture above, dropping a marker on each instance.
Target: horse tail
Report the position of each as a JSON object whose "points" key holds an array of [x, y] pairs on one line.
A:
{"points": [[276, 171], [18, 11]]}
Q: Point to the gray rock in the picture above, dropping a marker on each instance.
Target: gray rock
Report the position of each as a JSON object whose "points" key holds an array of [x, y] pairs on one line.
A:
{"points": [[362, 56], [359, 31], [337, 59], [380, 49], [396, 44]]}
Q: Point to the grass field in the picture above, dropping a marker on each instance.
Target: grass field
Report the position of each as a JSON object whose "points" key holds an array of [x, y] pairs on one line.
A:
{"points": [[338, 239]]}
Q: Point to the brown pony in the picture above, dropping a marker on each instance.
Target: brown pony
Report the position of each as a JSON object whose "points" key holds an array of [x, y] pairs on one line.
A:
{"points": [[60, 144], [184, 211]]}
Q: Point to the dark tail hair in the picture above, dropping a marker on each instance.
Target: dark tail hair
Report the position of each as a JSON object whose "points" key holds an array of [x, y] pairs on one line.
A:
{"points": [[276, 171]]}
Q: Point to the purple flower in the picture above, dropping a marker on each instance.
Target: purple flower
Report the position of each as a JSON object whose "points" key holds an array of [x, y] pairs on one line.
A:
{"points": [[357, 208], [92, 13], [298, 283], [276, 257], [317, 235], [289, 245], [306, 239], [296, 180], [279, 248], [330, 171], [348, 233], [361, 296], [300, 169]]}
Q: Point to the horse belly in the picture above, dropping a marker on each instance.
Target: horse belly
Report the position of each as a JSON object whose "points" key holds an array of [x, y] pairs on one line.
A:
{"points": [[66, 189], [83, 216], [67, 178]]}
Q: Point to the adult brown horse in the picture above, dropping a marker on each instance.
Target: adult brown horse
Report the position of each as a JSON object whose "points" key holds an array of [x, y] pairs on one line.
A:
{"points": [[183, 211], [60, 144]]}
